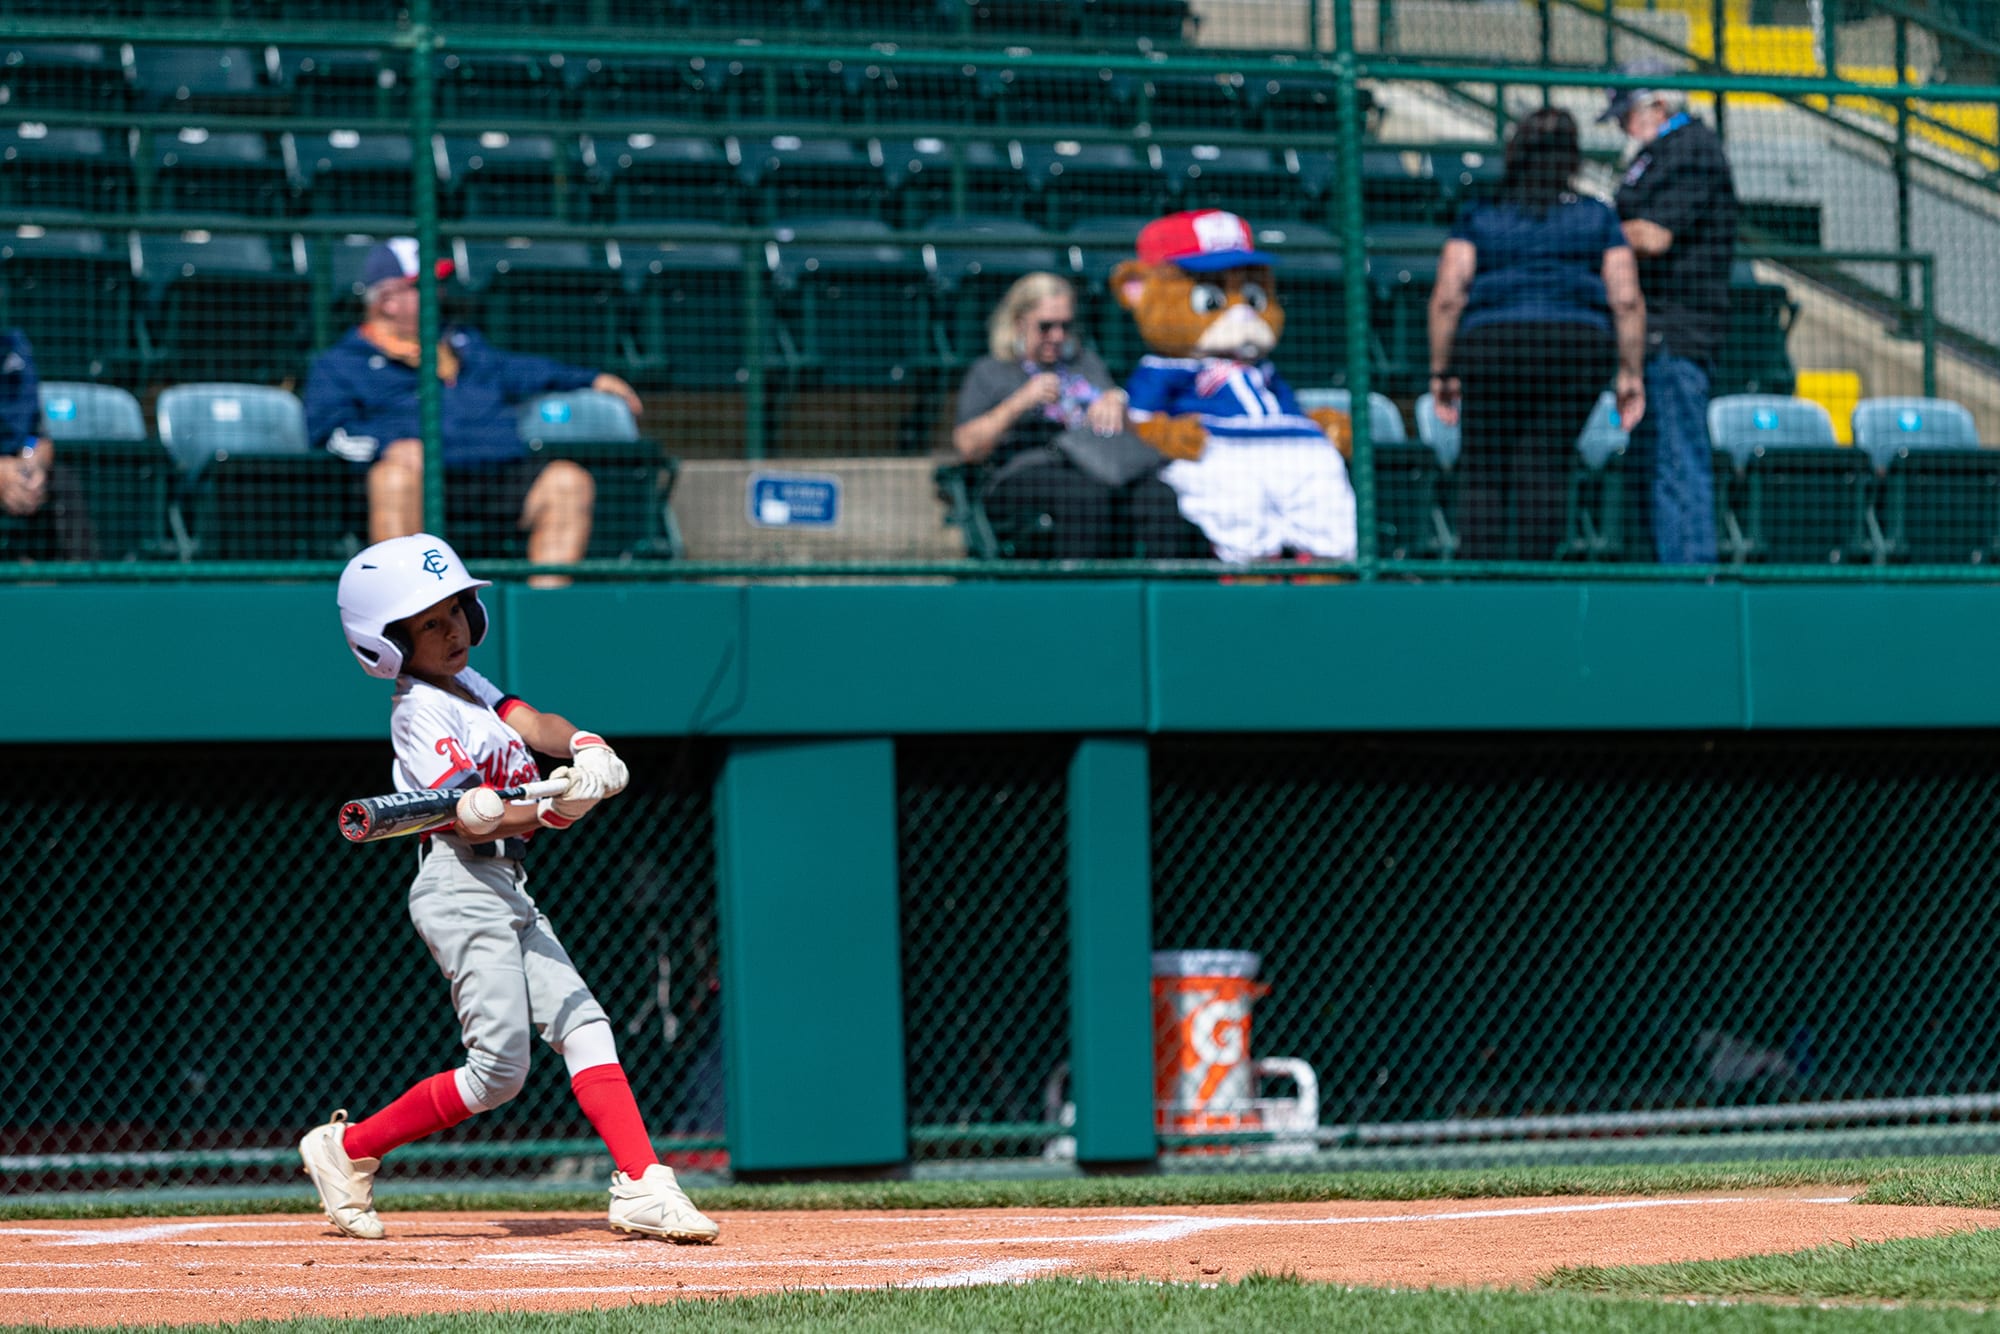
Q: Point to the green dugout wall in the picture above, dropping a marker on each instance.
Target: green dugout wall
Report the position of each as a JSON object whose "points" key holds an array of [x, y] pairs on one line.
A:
{"points": [[804, 697]]}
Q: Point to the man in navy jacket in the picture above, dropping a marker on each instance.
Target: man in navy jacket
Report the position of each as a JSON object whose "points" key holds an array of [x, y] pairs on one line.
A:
{"points": [[361, 403], [46, 515]]}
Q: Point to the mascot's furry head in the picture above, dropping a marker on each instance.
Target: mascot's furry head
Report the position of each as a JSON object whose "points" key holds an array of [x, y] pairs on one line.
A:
{"points": [[1200, 288]]}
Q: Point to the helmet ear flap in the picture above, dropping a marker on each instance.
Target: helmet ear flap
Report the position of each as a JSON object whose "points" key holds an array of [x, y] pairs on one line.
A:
{"points": [[399, 639], [475, 617]]}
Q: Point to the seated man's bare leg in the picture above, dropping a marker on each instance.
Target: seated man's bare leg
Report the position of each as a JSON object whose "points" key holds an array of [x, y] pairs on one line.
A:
{"points": [[396, 491], [557, 516]]}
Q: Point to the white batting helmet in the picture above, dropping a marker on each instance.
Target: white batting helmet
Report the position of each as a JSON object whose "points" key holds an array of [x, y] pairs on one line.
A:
{"points": [[396, 579]]}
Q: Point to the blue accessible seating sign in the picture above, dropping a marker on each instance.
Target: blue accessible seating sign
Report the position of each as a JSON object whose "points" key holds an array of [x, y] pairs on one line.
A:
{"points": [[793, 500]]}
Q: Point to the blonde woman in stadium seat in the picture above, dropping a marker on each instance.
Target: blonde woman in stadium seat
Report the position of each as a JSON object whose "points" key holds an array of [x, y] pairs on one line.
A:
{"points": [[1045, 416]]}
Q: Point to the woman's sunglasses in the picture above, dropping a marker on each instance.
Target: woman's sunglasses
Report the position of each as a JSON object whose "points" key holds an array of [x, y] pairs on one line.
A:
{"points": [[1050, 326]]}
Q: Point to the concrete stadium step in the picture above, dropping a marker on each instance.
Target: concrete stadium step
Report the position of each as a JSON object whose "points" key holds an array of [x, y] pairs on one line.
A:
{"points": [[775, 510]]}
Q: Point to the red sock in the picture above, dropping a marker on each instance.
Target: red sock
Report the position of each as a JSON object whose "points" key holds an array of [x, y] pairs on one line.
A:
{"points": [[606, 1098], [427, 1108]]}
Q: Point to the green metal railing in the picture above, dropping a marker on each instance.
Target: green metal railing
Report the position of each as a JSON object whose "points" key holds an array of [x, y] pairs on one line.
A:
{"points": [[767, 377]]}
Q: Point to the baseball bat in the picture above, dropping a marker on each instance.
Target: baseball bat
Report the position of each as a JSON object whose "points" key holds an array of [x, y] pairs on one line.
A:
{"points": [[393, 814]]}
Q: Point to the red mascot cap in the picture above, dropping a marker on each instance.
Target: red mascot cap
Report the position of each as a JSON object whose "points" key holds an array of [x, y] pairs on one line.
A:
{"points": [[1201, 241]]}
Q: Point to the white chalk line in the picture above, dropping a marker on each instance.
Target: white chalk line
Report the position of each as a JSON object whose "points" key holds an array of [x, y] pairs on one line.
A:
{"points": [[127, 1236], [1163, 1227], [1003, 1271], [1173, 1228]]}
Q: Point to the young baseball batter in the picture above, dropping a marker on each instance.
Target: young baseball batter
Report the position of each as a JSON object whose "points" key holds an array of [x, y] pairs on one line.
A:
{"points": [[412, 612]]}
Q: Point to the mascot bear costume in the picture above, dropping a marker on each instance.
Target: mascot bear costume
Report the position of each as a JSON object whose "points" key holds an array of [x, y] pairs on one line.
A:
{"points": [[1261, 478]]}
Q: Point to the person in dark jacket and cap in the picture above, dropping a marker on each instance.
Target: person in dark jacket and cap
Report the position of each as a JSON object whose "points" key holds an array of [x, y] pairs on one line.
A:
{"points": [[1677, 204], [361, 404]]}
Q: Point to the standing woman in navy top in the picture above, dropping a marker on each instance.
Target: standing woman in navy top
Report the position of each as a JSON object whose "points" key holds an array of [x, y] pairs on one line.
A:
{"points": [[1536, 311]]}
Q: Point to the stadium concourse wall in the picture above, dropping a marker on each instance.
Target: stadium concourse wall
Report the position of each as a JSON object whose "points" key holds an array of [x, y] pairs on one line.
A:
{"points": [[808, 691]]}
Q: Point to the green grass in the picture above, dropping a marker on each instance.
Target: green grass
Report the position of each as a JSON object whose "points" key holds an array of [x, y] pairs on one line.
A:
{"points": [[1959, 1267], [1939, 1181], [1257, 1304]]}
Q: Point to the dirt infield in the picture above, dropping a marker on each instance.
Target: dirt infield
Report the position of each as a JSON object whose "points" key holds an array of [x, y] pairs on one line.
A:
{"points": [[226, 1269]]}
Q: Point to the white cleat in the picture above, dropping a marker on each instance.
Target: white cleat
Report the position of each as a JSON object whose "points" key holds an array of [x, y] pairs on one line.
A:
{"points": [[346, 1185], [656, 1206]]}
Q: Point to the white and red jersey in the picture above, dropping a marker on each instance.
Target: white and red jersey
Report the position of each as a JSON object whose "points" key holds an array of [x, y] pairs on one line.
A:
{"points": [[443, 741]]}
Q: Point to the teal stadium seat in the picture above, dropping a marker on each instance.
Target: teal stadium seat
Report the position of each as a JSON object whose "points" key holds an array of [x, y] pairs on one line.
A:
{"points": [[558, 299], [639, 88], [54, 167], [1789, 494], [1445, 438], [1468, 174], [1304, 101], [250, 487], [1210, 102], [1145, 23], [496, 175], [1400, 186], [198, 170], [635, 478], [1071, 180], [500, 13], [929, 178], [223, 307], [201, 423], [1262, 184], [74, 76], [854, 308], [1034, 20], [1312, 286], [496, 88], [816, 93], [346, 81], [1030, 97], [71, 290], [823, 178], [1755, 356], [1410, 518], [346, 173], [922, 99], [690, 327], [1598, 491], [1938, 493], [124, 475], [649, 178], [1385, 421], [207, 80], [1402, 271]]}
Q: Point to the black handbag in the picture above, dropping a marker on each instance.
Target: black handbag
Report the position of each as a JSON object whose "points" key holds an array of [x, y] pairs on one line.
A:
{"points": [[1114, 460]]}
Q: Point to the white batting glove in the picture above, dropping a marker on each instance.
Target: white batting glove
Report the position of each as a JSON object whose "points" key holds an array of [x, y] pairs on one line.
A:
{"points": [[593, 754], [479, 812], [574, 802]]}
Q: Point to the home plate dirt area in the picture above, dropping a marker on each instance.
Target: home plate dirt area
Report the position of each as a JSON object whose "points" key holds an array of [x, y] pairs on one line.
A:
{"points": [[203, 1270]]}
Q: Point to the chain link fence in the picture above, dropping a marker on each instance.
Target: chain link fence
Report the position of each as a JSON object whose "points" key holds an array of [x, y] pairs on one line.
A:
{"points": [[201, 970], [1466, 940], [1468, 930]]}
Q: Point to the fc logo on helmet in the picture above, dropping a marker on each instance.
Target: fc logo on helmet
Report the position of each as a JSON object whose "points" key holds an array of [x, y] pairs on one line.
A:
{"points": [[434, 563]]}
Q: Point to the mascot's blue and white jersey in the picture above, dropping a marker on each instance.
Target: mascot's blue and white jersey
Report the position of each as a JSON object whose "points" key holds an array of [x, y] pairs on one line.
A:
{"points": [[1235, 400]]}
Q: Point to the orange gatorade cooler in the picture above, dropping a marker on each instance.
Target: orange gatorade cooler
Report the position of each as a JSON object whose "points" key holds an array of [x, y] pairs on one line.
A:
{"points": [[1202, 1080]]}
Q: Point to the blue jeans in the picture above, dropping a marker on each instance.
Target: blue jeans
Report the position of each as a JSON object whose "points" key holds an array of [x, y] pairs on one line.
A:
{"points": [[1671, 452]]}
